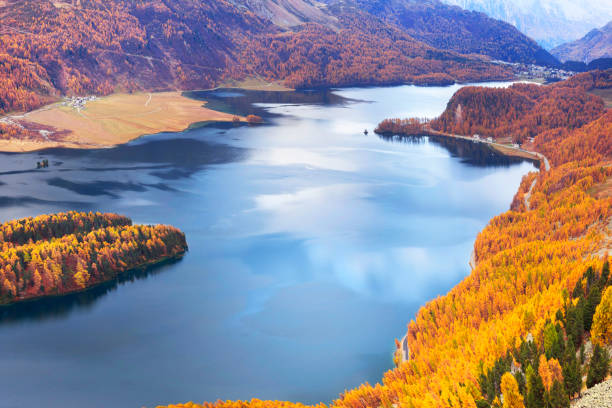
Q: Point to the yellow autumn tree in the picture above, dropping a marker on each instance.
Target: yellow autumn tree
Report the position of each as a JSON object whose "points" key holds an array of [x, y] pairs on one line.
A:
{"points": [[510, 391], [602, 320]]}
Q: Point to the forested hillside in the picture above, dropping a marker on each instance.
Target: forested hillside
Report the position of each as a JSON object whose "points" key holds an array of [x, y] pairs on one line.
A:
{"points": [[467, 32], [49, 49], [68, 252], [523, 111], [539, 291]]}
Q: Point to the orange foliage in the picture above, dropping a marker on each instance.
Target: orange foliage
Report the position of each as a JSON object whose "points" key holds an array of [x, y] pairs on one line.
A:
{"points": [[66, 252], [522, 110], [407, 127], [362, 52], [550, 371]]}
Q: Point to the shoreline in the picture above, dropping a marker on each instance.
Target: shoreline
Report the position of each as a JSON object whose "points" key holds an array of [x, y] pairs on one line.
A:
{"points": [[108, 121], [145, 265], [117, 119], [509, 151], [498, 147]]}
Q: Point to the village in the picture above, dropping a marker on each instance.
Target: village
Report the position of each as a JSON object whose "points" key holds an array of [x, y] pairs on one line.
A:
{"points": [[78, 102], [538, 72]]}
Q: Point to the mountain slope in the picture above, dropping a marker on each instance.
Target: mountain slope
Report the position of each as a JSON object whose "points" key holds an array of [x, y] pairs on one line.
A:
{"points": [[549, 22], [49, 49], [289, 13], [76, 47], [596, 44], [452, 28]]}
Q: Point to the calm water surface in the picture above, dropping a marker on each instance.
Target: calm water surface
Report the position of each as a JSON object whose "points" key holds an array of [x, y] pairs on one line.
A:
{"points": [[311, 247]]}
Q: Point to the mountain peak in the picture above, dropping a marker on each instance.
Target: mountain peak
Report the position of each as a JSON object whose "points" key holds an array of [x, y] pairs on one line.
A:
{"points": [[596, 44]]}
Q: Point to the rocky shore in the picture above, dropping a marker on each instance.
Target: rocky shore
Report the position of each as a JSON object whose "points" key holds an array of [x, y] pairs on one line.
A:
{"points": [[599, 396]]}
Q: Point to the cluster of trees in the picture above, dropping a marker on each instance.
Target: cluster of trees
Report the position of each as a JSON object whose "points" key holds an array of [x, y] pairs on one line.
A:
{"points": [[66, 252], [14, 131], [561, 208], [254, 119], [95, 46], [406, 127], [548, 374], [521, 111], [589, 145], [49, 226]]}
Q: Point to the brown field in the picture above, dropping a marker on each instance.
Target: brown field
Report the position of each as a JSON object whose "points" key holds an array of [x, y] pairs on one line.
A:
{"points": [[256, 84], [510, 151], [113, 120]]}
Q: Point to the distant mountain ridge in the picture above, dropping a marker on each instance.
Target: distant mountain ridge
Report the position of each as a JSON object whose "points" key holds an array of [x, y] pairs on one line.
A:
{"points": [[596, 44], [549, 22], [455, 29]]}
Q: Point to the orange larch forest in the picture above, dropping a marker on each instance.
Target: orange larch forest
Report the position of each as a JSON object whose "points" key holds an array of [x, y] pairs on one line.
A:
{"points": [[52, 255]]}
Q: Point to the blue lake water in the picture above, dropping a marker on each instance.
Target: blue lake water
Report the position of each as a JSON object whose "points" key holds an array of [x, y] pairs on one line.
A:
{"points": [[311, 247]]}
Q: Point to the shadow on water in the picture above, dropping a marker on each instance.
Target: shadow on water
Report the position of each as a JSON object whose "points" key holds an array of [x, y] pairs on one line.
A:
{"points": [[169, 159], [21, 201], [475, 154], [61, 306], [244, 102]]}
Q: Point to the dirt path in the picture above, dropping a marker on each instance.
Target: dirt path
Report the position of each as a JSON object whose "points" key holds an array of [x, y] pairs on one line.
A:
{"points": [[528, 194]]}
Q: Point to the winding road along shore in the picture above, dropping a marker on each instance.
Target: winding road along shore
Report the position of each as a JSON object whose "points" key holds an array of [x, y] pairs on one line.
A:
{"points": [[501, 148]]}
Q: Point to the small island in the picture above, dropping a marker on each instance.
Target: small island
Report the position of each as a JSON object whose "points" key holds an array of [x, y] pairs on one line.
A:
{"points": [[63, 253]]}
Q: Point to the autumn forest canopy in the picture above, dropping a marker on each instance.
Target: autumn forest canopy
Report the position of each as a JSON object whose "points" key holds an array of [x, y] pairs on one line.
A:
{"points": [[68, 252]]}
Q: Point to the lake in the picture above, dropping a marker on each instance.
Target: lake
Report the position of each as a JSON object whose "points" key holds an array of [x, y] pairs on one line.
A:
{"points": [[311, 246]]}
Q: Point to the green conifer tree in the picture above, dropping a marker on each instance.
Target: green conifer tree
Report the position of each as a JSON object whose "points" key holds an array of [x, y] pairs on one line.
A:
{"points": [[535, 389], [571, 369], [557, 397], [598, 366]]}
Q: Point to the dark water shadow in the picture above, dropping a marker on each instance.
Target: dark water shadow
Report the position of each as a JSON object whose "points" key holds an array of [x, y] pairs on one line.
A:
{"points": [[474, 154], [243, 102], [169, 159], [58, 307], [20, 201]]}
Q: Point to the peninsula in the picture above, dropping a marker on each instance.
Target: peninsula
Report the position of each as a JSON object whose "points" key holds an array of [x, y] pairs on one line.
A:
{"points": [[92, 122]]}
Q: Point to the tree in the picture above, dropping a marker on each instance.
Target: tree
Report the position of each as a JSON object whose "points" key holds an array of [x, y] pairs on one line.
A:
{"points": [[592, 300], [552, 341], [605, 273], [510, 391], [557, 397], [574, 322], [571, 369], [602, 320], [598, 366], [535, 389]]}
